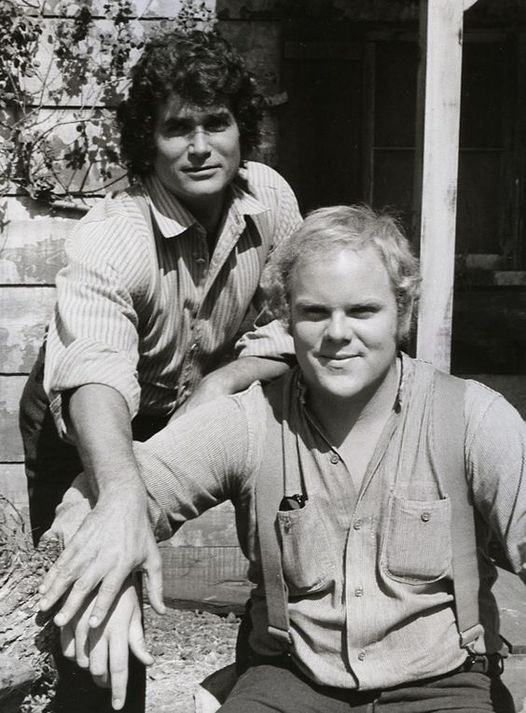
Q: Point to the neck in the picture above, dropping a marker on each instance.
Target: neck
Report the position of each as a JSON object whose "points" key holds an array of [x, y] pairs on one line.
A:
{"points": [[208, 212], [338, 417]]}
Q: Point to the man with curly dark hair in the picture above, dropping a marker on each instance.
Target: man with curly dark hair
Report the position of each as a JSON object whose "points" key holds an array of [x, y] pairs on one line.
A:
{"points": [[158, 283]]}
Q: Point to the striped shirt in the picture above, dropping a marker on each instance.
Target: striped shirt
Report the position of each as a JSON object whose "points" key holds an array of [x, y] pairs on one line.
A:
{"points": [[143, 308], [369, 578]]}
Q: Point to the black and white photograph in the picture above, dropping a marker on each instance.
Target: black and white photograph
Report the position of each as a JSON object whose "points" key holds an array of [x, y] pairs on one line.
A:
{"points": [[263, 356]]}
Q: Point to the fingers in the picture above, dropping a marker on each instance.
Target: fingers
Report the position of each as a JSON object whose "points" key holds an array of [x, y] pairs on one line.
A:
{"points": [[76, 597], [118, 647], [98, 658], [67, 642], [154, 580], [74, 639], [137, 643], [57, 581], [108, 591]]}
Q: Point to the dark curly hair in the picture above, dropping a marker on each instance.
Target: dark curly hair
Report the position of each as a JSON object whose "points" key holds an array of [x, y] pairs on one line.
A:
{"points": [[203, 69]]}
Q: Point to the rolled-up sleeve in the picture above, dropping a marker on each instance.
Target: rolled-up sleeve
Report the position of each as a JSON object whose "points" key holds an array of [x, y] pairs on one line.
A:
{"points": [[496, 465], [272, 341], [93, 334]]}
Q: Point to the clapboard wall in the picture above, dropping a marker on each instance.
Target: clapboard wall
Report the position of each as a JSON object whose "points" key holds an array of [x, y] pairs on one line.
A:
{"points": [[207, 563]]}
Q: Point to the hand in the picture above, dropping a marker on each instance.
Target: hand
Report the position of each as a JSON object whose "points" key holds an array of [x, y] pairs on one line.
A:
{"points": [[113, 540], [212, 386], [104, 650], [232, 378]]}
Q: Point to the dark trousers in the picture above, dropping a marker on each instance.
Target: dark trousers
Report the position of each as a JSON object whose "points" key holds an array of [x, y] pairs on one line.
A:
{"points": [[51, 465], [267, 688]]}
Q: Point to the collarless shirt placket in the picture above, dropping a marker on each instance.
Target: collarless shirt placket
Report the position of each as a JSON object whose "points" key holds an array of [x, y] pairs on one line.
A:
{"points": [[360, 551]]}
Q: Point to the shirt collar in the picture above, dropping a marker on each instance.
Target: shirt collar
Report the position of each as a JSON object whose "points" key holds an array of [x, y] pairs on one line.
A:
{"points": [[243, 201], [173, 218]]}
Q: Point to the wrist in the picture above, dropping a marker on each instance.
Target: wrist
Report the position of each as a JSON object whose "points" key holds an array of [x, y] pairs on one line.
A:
{"points": [[128, 487]]}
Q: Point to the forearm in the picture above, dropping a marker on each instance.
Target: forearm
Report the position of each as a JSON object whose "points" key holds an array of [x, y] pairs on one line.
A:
{"points": [[231, 379], [101, 427], [239, 374]]}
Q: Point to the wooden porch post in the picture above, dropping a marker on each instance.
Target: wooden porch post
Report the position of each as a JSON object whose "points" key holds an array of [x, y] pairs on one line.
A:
{"points": [[441, 24]]}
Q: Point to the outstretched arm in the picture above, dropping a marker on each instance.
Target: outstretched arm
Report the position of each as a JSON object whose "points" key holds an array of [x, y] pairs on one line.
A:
{"points": [[115, 538]]}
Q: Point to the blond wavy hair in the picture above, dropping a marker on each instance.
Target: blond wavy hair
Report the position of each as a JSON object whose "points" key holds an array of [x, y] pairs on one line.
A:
{"points": [[329, 230]]}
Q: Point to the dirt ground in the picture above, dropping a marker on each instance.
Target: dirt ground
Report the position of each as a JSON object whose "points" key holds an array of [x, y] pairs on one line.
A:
{"points": [[187, 647]]}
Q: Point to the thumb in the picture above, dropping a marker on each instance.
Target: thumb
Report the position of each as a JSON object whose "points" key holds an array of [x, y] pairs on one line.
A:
{"points": [[154, 580]]}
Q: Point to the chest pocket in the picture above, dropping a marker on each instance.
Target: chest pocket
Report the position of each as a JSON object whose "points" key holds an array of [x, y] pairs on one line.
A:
{"points": [[306, 551], [416, 548]]}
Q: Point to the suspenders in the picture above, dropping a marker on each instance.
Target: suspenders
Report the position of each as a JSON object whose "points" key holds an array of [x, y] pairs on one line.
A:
{"points": [[269, 491], [448, 437]]}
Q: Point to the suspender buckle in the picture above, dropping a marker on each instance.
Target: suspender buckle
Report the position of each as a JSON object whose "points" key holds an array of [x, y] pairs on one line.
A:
{"points": [[281, 635], [469, 636]]}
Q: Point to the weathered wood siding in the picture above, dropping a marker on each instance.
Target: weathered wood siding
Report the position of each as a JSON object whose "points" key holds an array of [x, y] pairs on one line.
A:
{"points": [[31, 253]]}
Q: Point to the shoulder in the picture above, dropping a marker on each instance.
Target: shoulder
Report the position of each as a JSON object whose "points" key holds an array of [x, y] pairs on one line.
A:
{"points": [[115, 224], [260, 178], [488, 410]]}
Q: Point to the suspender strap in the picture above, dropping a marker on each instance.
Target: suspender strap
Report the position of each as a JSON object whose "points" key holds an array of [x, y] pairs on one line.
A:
{"points": [[269, 492], [448, 435]]}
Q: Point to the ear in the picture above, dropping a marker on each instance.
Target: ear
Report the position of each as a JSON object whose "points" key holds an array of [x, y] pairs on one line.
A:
{"points": [[405, 321]]}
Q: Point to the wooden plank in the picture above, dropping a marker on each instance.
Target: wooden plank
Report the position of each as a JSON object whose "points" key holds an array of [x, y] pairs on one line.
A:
{"points": [[441, 24], [32, 241], [216, 527], [25, 314], [10, 442], [14, 490], [213, 577]]}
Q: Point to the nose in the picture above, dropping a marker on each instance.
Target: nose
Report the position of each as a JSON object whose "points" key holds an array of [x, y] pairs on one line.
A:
{"points": [[339, 328], [199, 143]]}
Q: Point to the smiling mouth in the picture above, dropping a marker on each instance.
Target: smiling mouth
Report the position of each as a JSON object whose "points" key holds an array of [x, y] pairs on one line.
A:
{"points": [[200, 169], [331, 358]]}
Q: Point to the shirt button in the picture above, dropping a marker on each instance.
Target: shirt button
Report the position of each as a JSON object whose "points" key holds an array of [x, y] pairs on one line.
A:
{"points": [[425, 516], [358, 592], [334, 459], [357, 525], [361, 655]]}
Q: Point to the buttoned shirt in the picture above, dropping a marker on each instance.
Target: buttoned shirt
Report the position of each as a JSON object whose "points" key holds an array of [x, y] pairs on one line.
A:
{"points": [[368, 572], [142, 306]]}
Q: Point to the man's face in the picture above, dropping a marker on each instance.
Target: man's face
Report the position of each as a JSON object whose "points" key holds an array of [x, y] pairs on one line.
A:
{"points": [[344, 323], [198, 152]]}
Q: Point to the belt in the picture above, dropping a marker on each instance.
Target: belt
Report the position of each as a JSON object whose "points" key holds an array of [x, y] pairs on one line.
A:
{"points": [[490, 664]]}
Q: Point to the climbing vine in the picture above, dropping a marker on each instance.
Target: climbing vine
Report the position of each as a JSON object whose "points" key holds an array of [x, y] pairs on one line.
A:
{"points": [[61, 78]]}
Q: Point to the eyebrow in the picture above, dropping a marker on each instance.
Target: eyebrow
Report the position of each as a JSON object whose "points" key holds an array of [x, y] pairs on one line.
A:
{"points": [[205, 115]]}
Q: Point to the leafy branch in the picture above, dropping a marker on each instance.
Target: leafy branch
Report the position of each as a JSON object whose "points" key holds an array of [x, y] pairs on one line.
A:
{"points": [[60, 81]]}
